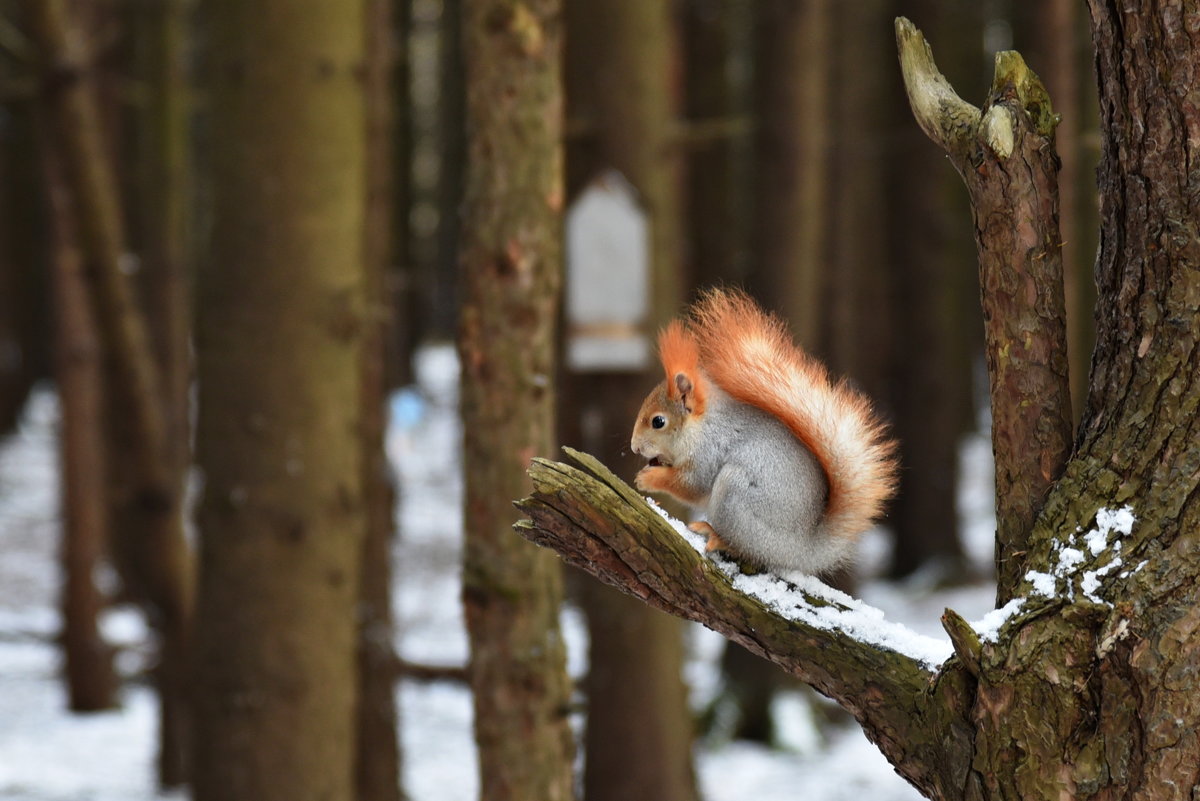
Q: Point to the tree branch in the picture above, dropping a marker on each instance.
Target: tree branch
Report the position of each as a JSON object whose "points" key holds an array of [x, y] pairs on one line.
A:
{"points": [[1006, 157], [915, 714]]}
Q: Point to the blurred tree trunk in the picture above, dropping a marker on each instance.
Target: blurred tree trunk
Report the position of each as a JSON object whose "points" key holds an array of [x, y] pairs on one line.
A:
{"points": [[280, 367], [932, 265], [164, 192], [856, 336], [715, 41], [401, 281], [445, 283], [23, 333], [620, 76], [511, 274], [378, 757], [637, 697], [161, 559], [91, 679], [793, 45]]}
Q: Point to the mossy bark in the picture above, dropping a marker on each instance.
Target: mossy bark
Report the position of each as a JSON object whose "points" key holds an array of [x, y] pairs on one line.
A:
{"points": [[601, 525], [511, 263], [279, 357]]}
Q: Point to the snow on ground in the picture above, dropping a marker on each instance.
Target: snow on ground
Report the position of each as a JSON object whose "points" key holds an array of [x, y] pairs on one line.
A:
{"points": [[49, 755]]}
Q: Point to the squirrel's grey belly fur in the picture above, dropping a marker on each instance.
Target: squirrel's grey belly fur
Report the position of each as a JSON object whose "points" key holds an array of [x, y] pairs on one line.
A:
{"points": [[766, 491]]}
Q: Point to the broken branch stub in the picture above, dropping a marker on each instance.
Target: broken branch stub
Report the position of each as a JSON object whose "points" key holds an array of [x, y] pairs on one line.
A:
{"points": [[1005, 155]]}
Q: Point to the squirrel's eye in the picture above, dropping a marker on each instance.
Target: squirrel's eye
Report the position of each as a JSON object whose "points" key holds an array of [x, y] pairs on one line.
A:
{"points": [[659, 421]]}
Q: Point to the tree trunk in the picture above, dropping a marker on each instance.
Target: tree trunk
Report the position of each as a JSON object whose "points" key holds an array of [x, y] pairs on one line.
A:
{"points": [[378, 757], [23, 302], [511, 262], [91, 679], [1006, 157], [793, 41], [164, 216], [1055, 37], [715, 37], [636, 696], [855, 336], [280, 358]]}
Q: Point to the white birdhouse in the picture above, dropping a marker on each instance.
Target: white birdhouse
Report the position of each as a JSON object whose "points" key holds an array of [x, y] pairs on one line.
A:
{"points": [[608, 272]]}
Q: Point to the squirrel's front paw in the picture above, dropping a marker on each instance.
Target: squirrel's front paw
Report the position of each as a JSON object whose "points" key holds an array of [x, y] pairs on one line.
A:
{"points": [[652, 478]]}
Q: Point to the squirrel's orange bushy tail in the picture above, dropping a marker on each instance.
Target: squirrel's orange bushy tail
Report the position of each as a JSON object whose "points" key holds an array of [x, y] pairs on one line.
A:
{"points": [[750, 355]]}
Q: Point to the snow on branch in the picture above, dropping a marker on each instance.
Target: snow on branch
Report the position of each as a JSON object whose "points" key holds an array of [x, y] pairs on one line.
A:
{"points": [[882, 673]]}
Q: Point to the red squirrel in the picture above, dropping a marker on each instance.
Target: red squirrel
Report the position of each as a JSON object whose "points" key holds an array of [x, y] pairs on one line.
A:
{"points": [[788, 466]]}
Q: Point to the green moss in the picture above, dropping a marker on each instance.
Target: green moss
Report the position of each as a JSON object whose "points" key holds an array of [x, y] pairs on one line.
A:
{"points": [[1013, 76]]}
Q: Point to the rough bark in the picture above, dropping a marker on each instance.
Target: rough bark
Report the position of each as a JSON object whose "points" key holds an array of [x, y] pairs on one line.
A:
{"points": [[279, 359], [1005, 155], [511, 263], [1055, 35]]}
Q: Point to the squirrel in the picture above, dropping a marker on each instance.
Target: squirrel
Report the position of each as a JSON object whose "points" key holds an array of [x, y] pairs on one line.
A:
{"points": [[788, 466]]}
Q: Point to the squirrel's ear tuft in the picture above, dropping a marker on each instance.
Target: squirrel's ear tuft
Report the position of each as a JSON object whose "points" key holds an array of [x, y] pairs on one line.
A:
{"points": [[680, 354]]}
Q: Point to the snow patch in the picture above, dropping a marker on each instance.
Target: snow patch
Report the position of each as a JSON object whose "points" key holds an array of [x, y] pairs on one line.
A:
{"points": [[789, 594], [1111, 525], [988, 628]]}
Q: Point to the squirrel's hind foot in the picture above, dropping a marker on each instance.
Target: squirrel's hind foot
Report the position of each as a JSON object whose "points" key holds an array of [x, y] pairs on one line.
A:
{"points": [[716, 544]]}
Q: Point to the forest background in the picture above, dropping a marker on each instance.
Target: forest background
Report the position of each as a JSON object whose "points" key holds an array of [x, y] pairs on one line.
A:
{"points": [[228, 227]]}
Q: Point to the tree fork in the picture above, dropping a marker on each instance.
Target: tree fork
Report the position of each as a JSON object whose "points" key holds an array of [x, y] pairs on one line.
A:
{"points": [[1006, 157]]}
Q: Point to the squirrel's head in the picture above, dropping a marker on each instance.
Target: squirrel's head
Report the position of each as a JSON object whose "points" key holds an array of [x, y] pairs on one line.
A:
{"points": [[661, 432]]}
